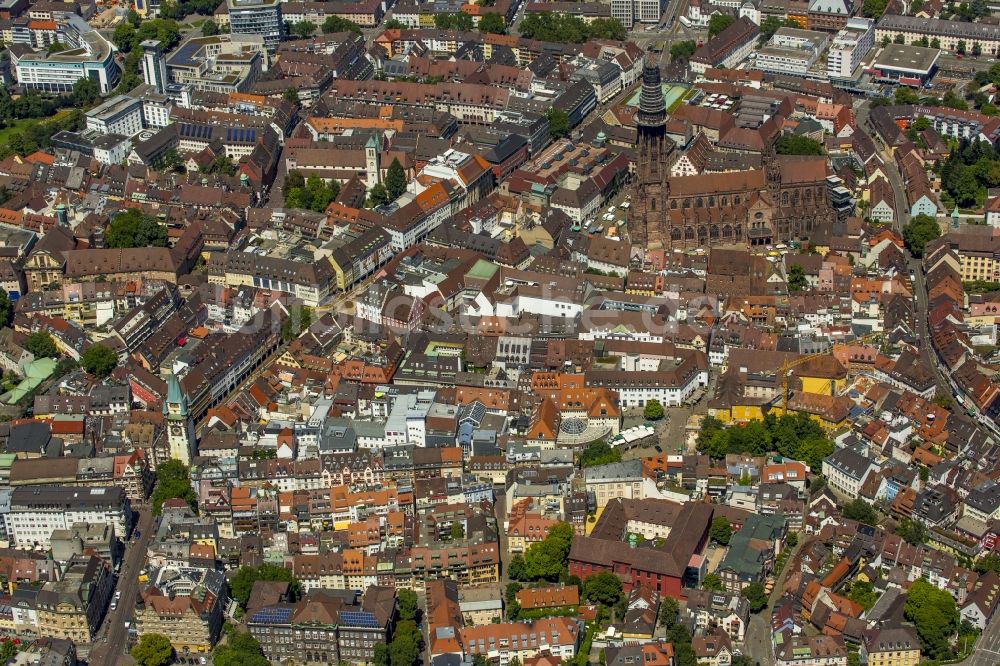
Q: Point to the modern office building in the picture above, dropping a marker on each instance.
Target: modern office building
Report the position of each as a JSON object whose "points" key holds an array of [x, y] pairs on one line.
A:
{"points": [[36, 511], [257, 17], [851, 44], [910, 66], [90, 56], [630, 12], [791, 51], [154, 66], [119, 115], [221, 63]]}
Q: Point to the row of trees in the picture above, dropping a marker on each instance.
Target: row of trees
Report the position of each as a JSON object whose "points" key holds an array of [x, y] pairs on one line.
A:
{"points": [[568, 29], [795, 436], [405, 647], [38, 135]]}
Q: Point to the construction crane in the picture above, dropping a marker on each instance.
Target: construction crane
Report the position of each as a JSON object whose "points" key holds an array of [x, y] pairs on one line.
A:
{"points": [[784, 372]]}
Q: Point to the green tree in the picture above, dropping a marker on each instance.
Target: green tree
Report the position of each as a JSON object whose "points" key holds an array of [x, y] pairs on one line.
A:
{"points": [[221, 164], [683, 50], [457, 531], [899, 39], [712, 582], [511, 592], [718, 23], [393, 24], [337, 24], [721, 531], [395, 180], [768, 27], [669, 611], [381, 655], [934, 615], [558, 122], [874, 8], [756, 597], [303, 29], [6, 308], [241, 583], [480, 660], [987, 563], [172, 482], [135, 229], [124, 37], [935, 43], [603, 588], [299, 319], [85, 92], [240, 649], [863, 593], [788, 144], [796, 278], [599, 453], [977, 50], [792, 540], [99, 360], [513, 610], [547, 558], [492, 23], [960, 47], [378, 196], [153, 650], [8, 650], [653, 411], [517, 569], [453, 21], [912, 531], [41, 345], [406, 600], [163, 29], [209, 28], [861, 511], [921, 230], [404, 650]]}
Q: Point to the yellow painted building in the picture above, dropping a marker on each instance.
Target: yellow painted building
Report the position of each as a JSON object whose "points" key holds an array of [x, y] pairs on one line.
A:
{"points": [[899, 646], [823, 375]]}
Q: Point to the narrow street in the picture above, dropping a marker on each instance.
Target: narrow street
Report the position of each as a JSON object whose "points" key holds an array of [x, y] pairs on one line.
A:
{"points": [[757, 644], [112, 636]]}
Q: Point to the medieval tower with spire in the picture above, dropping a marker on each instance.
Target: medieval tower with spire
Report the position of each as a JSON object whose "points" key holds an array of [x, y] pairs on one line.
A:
{"points": [[180, 429], [654, 158]]}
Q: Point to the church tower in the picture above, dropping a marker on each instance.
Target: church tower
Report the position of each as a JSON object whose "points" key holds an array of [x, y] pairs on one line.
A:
{"points": [[653, 168], [372, 166], [180, 429]]}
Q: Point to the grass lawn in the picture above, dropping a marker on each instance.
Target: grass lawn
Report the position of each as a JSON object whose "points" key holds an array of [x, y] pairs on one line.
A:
{"points": [[19, 125]]}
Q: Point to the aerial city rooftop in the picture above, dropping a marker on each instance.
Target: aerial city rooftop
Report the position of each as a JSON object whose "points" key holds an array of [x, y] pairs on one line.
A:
{"points": [[500, 333]]}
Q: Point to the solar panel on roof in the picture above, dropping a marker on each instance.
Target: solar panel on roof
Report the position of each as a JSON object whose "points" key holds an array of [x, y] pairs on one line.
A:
{"points": [[272, 615], [359, 619]]}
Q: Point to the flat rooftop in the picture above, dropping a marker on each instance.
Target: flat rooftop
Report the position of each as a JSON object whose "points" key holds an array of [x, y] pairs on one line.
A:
{"points": [[900, 57]]}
